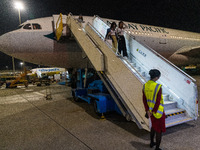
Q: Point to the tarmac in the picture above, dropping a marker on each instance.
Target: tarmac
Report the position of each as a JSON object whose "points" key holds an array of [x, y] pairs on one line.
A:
{"points": [[28, 121]]}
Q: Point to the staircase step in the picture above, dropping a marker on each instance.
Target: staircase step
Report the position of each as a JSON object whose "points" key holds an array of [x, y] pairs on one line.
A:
{"points": [[179, 120], [170, 105], [174, 111], [175, 116]]}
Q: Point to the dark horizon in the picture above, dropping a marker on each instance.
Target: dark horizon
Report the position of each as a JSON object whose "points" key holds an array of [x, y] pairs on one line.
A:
{"points": [[182, 15]]}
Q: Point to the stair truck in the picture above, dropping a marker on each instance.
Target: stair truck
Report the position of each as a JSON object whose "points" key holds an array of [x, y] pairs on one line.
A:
{"points": [[124, 78]]}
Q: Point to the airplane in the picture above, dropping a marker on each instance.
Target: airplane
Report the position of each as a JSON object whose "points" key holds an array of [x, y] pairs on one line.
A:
{"points": [[34, 41], [46, 71]]}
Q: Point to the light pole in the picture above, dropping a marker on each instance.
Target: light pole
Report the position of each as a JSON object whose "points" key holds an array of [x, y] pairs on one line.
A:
{"points": [[13, 63], [19, 6]]}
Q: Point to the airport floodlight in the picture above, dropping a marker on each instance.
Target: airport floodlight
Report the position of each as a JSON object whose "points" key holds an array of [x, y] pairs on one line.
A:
{"points": [[19, 5], [21, 63]]}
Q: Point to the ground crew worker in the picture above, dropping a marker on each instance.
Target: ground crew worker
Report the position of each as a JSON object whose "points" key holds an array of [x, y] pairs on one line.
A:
{"points": [[154, 106]]}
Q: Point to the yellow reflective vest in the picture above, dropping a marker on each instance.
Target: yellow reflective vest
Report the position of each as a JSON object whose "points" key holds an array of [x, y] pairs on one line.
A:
{"points": [[151, 90]]}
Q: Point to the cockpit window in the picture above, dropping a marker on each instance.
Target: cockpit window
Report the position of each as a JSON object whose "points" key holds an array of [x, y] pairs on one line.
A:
{"points": [[27, 26], [36, 26]]}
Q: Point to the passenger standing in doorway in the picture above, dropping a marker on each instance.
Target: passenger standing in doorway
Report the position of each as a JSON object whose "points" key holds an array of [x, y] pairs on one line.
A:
{"points": [[154, 106], [111, 34], [121, 39]]}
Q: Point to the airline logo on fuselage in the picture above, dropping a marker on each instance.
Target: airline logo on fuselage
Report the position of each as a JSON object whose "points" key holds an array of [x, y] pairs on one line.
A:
{"points": [[147, 28], [144, 28], [49, 69]]}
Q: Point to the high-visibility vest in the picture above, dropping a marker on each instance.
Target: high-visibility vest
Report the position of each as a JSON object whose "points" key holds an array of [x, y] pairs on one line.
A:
{"points": [[151, 90]]}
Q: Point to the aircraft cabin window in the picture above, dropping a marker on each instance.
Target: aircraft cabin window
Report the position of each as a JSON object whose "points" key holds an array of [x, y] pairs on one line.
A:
{"points": [[27, 26], [36, 26]]}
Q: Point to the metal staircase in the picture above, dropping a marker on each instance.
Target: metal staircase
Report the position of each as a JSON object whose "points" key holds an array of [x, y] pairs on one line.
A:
{"points": [[125, 78]]}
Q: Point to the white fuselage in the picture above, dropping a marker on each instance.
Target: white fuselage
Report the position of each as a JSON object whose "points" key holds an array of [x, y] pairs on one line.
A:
{"points": [[40, 47]]}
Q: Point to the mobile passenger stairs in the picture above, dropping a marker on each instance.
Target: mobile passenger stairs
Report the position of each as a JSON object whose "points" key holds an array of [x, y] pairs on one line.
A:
{"points": [[124, 78]]}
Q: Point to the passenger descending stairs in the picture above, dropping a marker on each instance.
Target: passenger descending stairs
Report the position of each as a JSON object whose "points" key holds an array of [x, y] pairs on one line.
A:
{"points": [[126, 77]]}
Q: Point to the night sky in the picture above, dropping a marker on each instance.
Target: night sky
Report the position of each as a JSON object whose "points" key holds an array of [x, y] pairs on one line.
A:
{"points": [[177, 14]]}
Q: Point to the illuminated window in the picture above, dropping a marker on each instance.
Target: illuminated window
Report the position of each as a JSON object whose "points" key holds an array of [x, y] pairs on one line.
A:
{"points": [[27, 26], [36, 26]]}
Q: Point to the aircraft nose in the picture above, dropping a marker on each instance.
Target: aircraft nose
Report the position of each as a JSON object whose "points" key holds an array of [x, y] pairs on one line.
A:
{"points": [[5, 43]]}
